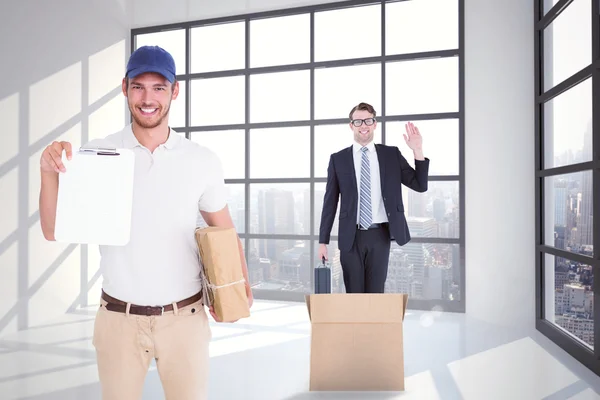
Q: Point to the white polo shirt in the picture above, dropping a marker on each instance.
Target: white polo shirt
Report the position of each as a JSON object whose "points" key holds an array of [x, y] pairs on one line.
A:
{"points": [[160, 264]]}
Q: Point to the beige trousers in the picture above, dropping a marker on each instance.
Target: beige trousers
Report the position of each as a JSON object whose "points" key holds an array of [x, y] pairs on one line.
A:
{"points": [[126, 344]]}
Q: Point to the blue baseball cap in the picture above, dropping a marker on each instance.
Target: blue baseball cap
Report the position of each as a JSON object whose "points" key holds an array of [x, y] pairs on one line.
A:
{"points": [[151, 59]]}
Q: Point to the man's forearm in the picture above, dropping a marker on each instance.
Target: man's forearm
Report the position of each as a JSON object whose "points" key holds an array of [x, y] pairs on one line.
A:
{"points": [[419, 155], [48, 200]]}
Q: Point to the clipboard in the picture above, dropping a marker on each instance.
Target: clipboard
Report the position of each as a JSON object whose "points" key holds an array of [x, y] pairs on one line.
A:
{"points": [[95, 197]]}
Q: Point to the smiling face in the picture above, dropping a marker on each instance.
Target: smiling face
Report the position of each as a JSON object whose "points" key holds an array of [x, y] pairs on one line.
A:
{"points": [[149, 98], [364, 132]]}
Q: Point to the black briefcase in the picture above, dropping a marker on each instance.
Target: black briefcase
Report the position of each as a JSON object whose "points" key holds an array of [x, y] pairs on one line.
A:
{"points": [[322, 278]]}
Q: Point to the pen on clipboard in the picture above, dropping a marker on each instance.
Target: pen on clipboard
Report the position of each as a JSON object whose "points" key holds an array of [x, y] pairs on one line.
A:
{"points": [[99, 151]]}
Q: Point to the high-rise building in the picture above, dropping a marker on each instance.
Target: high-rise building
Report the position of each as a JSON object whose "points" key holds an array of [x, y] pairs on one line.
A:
{"points": [[275, 215], [560, 202]]}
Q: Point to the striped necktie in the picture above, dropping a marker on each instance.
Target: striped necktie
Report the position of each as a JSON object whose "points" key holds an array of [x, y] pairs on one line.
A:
{"points": [[365, 216]]}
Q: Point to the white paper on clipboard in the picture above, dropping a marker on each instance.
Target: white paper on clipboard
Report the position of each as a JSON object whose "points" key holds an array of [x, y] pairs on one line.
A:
{"points": [[95, 197]]}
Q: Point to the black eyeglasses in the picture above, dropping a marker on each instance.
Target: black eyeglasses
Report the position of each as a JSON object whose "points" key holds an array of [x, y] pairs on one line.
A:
{"points": [[359, 122]]}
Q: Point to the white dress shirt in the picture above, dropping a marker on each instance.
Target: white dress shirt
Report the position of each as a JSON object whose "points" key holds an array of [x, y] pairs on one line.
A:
{"points": [[377, 207]]}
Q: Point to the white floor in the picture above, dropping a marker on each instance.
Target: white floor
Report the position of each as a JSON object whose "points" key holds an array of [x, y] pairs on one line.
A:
{"points": [[266, 357]]}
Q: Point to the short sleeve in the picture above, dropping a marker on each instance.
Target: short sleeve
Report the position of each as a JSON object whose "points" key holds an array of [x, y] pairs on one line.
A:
{"points": [[213, 197]]}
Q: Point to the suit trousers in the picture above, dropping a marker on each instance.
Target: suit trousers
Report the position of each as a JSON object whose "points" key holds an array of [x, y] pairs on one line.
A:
{"points": [[126, 344], [365, 265]]}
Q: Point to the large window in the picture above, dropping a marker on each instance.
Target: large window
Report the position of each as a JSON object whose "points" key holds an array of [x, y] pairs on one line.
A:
{"points": [[567, 175], [270, 93]]}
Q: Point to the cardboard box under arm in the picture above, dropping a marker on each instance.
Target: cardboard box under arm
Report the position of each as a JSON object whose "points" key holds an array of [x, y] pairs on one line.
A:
{"points": [[223, 278], [357, 341]]}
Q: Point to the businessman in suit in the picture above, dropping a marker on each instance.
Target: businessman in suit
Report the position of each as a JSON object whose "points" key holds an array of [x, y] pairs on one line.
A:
{"points": [[369, 178]]}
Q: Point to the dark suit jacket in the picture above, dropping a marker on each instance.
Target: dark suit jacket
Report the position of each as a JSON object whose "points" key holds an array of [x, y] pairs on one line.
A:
{"points": [[341, 180]]}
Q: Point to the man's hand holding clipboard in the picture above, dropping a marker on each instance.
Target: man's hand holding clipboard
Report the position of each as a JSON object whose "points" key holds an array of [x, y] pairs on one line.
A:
{"points": [[51, 160]]}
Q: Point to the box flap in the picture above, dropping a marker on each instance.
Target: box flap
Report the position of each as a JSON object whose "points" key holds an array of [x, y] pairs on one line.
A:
{"points": [[357, 307], [307, 298]]}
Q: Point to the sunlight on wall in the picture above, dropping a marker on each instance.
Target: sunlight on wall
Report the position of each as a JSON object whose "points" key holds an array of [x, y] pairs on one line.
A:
{"points": [[61, 287], [53, 101], [9, 212], [108, 119], [72, 136], [9, 272], [9, 115], [106, 71], [59, 283]]}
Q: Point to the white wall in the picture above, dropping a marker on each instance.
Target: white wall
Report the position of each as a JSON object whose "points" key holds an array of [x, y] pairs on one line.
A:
{"points": [[500, 237], [62, 64]]}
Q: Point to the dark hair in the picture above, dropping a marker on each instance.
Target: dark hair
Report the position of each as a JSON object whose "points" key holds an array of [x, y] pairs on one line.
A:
{"points": [[363, 107]]}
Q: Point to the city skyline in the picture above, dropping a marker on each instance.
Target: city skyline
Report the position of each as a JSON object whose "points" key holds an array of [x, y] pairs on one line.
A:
{"points": [[571, 216], [429, 271]]}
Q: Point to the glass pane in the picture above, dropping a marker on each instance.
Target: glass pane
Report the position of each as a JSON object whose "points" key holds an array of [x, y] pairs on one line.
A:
{"points": [[218, 47], [568, 43], [348, 33], [177, 113], [171, 41], [338, 90], [568, 127], [280, 208], [269, 159], [229, 146], [280, 265], [319, 194], [425, 271], [568, 212], [291, 47], [569, 299], [281, 96], [422, 86], [440, 143], [548, 4], [330, 139], [237, 206], [337, 276], [435, 213], [236, 202], [423, 25], [218, 101]]}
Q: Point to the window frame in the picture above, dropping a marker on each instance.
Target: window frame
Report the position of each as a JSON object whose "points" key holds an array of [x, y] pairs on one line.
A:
{"points": [[584, 354], [382, 60]]}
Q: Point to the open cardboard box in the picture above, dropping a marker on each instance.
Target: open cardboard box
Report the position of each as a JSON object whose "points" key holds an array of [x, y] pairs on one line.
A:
{"points": [[357, 341]]}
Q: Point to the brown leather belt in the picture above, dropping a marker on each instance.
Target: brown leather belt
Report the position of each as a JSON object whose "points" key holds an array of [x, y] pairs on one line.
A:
{"points": [[121, 306]]}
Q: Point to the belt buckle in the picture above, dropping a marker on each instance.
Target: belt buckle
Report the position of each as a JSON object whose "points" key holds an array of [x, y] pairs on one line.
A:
{"points": [[149, 310]]}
